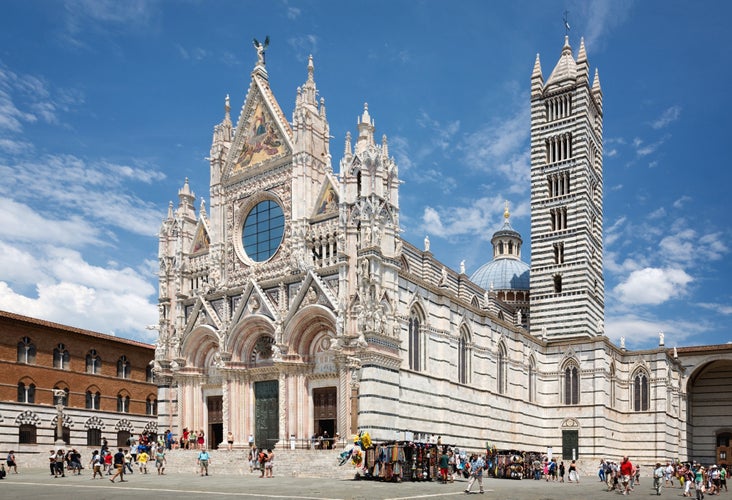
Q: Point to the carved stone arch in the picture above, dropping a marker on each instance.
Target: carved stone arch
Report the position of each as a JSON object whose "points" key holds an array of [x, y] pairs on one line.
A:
{"points": [[417, 304], [197, 347], [308, 324], [475, 302], [124, 425], [570, 423], [638, 367], [94, 423], [404, 263], [28, 417], [67, 422], [27, 380], [570, 359], [244, 336], [151, 428], [465, 331]]}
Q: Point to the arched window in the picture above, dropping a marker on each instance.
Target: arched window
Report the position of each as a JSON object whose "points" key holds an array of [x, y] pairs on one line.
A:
{"points": [[26, 393], [501, 370], [27, 434], [415, 347], [61, 357], [123, 367], [62, 400], [532, 380], [93, 362], [93, 400], [612, 386], [151, 406], [641, 396], [464, 358], [26, 351], [571, 385], [123, 403], [94, 437]]}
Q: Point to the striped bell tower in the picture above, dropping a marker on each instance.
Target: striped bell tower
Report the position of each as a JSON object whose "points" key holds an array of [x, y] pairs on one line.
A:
{"points": [[567, 284]]}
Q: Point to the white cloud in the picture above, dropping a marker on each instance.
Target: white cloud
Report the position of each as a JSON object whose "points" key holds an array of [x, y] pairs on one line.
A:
{"points": [[477, 218], [667, 117], [601, 17], [653, 286], [643, 332], [71, 291], [92, 190], [679, 203]]}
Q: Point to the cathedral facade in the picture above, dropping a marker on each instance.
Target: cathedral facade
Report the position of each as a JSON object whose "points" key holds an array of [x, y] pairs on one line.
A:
{"points": [[291, 306]]}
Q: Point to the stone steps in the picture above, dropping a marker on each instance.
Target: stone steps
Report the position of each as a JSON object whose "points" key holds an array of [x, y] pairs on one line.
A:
{"points": [[295, 463]]}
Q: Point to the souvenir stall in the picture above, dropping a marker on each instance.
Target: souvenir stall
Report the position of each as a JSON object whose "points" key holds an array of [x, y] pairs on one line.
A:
{"points": [[509, 464], [392, 461]]}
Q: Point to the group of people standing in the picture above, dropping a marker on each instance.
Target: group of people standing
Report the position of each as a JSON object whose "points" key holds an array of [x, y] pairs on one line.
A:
{"points": [[261, 460], [192, 440]]}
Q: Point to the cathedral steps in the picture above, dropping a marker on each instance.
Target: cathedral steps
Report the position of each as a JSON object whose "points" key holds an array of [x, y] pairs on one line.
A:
{"points": [[295, 463]]}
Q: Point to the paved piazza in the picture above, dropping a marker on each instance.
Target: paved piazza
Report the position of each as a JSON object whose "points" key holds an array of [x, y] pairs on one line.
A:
{"points": [[38, 484]]}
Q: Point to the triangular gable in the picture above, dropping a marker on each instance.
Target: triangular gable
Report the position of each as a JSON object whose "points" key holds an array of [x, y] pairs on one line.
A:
{"points": [[254, 301], [202, 241], [202, 314], [262, 132], [322, 295], [328, 199]]}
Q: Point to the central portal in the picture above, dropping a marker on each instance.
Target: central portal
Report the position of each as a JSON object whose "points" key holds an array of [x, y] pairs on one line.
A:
{"points": [[266, 413], [324, 413]]}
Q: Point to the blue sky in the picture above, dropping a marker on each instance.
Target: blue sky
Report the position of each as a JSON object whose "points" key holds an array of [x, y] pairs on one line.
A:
{"points": [[106, 107]]}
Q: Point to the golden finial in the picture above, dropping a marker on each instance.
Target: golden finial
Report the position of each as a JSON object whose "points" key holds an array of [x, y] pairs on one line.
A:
{"points": [[506, 213]]}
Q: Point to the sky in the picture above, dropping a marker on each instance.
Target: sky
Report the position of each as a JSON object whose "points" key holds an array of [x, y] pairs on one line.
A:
{"points": [[106, 107]]}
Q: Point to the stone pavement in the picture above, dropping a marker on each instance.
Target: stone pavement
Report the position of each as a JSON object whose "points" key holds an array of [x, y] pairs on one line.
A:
{"points": [[37, 484]]}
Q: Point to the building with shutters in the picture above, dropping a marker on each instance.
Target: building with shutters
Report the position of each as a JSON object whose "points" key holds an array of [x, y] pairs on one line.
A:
{"points": [[107, 384]]}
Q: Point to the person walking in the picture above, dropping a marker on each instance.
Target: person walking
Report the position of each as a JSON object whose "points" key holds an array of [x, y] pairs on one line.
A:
{"points": [[142, 459], [444, 464], [160, 461], [658, 474], [230, 441], [476, 473], [10, 462], [626, 469], [60, 464], [96, 465], [203, 461], [119, 465], [573, 475]]}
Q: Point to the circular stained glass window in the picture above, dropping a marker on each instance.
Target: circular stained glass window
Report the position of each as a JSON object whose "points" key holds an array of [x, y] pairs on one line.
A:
{"points": [[263, 230]]}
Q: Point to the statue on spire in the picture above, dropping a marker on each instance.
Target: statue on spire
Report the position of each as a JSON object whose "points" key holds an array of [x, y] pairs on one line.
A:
{"points": [[261, 48]]}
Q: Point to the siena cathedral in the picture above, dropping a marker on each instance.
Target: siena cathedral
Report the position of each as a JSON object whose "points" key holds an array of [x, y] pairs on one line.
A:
{"points": [[291, 306]]}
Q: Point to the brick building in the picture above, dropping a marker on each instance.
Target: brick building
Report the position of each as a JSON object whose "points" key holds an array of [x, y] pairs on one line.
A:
{"points": [[107, 381]]}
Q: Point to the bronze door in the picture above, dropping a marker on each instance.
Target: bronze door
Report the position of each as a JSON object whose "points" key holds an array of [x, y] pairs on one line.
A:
{"points": [[266, 413]]}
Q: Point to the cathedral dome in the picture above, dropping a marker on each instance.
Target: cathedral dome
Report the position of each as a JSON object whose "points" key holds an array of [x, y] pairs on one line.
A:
{"points": [[502, 274], [506, 271]]}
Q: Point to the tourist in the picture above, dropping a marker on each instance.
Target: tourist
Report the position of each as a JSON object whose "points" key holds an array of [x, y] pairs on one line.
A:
{"points": [[230, 441], [626, 469], [201, 440], [561, 471], [444, 465], [268, 466], [96, 465], [203, 460], [476, 473], [60, 463], [262, 460], [160, 461], [10, 462], [142, 459], [658, 473], [573, 475], [119, 466]]}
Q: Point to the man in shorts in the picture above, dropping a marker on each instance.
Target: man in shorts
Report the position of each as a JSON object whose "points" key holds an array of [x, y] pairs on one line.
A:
{"points": [[626, 469]]}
